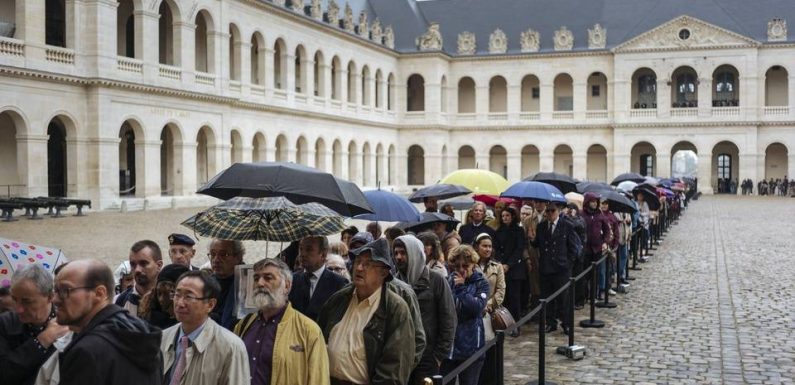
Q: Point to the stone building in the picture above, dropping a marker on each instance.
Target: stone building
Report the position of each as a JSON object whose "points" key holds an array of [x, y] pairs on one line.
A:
{"points": [[141, 101]]}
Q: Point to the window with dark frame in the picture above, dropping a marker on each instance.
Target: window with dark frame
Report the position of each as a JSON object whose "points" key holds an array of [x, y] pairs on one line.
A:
{"points": [[594, 90], [536, 92]]}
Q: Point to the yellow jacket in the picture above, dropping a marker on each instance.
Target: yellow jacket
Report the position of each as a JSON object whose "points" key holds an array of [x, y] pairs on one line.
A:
{"points": [[299, 351]]}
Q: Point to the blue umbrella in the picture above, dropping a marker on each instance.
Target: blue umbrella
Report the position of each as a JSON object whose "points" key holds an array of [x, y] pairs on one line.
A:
{"points": [[534, 190], [390, 207]]}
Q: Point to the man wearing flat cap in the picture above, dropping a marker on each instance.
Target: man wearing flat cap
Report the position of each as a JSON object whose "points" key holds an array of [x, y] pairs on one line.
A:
{"points": [[181, 250], [368, 328]]}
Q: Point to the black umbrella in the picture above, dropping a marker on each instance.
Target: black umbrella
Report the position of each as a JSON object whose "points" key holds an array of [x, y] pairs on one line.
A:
{"points": [[300, 184], [595, 187], [649, 194], [563, 182], [628, 176], [440, 191], [462, 203], [618, 202], [428, 219]]}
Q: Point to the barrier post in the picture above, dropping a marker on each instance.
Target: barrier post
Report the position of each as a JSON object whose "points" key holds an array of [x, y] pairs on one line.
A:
{"points": [[592, 322], [542, 325], [636, 249], [606, 304], [500, 356], [437, 380]]}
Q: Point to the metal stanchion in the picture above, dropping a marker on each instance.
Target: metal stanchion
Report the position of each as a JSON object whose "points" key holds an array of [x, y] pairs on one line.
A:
{"points": [[636, 249], [592, 322], [542, 324], [606, 304], [499, 335], [436, 380], [572, 351]]}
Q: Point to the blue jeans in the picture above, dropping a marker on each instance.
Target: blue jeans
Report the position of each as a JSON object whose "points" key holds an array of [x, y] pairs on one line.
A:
{"points": [[623, 254], [602, 275]]}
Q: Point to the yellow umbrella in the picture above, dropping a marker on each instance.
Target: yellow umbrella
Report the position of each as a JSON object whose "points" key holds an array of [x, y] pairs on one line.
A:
{"points": [[479, 181]]}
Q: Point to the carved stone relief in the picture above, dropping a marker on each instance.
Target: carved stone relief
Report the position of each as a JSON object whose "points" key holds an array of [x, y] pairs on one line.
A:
{"points": [[347, 21], [298, 6], [686, 32], [530, 41], [564, 39], [333, 13], [431, 40], [364, 27], [498, 42], [467, 43], [279, 2], [777, 30], [389, 37], [597, 37], [376, 33], [315, 10]]}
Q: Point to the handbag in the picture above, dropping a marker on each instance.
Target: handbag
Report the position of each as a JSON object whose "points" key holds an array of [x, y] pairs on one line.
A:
{"points": [[501, 318], [488, 330]]}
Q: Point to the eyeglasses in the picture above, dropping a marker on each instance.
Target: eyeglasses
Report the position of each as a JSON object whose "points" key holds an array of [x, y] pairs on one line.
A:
{"points": [[366, 263], [219, 254], [185, 297], [65, 292], [335, 269]]}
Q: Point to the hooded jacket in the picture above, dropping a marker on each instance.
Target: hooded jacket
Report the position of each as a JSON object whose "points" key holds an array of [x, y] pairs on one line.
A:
{"points": [[114, 349], [597, 228], [435, 301], [470, 301]]}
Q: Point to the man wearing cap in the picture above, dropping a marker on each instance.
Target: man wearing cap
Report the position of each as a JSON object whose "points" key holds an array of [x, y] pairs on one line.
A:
{"points": [[181, 250], [368, 327], [312, 287]]}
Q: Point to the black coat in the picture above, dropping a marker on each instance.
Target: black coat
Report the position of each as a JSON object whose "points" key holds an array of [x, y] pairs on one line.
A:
{"points": [[328, 284], [556, 251], [114, 349], [20, 359], [509, 245], [438, 314], [469, 231]]}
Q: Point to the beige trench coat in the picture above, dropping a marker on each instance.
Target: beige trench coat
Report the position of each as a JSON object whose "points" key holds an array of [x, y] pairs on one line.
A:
{"points": [[217, 357]]}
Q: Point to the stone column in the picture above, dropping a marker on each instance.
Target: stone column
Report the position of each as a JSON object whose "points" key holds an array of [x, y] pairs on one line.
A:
{"points": [[104, 154], [289, 69], [30, 28], [514, 104], [705, 97], [580, 166], [32, 164], [546, 161], [433, 99], [244, 49], [98, 40], [359, 161], [791, 99], [147, 180], [433, 168], [343, 86], [580, 101], [401, 169], [344, 155], [619, 98], [663, 98], [270, 81], [185, 41], [310, 157], [482, 101], [546, 103], [790, 166], [326, 77], [663, 164], [482, 160], [621, 164], [514, 163], [372, 174], [750, 165], [270, 153], [309, 74], [188, 168], [216, 44], [705, 173]]}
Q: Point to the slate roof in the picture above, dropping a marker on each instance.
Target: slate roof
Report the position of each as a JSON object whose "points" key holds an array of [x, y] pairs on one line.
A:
{"points": [[623, 19]]}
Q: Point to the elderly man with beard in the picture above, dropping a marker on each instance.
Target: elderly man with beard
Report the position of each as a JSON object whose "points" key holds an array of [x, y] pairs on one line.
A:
{"points": [[284, 346], [145, 263], [27, 333], [436, 305]]}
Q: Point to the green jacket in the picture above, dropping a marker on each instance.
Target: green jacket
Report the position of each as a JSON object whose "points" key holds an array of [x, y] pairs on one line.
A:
{"points": [[388, 337]]}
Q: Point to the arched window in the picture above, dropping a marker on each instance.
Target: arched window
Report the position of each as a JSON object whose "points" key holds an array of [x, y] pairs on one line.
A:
{"points": [[644, 88], [725, 87], [55, 23], [686, 90], [415, 95], [647, 165], [724, 166]]}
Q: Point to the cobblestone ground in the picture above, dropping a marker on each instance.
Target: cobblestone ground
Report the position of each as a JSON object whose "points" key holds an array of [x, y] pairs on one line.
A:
{"points": [[714, 305]]}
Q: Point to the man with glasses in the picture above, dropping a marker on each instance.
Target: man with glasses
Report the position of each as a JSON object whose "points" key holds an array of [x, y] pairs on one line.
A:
{"points": [[28, 331], [110, 347], [146, 260], [224, 256], [181, 250], [313, 286], [368, 327], [197, 350]]}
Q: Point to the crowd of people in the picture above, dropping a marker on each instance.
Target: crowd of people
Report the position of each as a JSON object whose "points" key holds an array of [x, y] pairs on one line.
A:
{"points": [[376, 307], [780, 187]]}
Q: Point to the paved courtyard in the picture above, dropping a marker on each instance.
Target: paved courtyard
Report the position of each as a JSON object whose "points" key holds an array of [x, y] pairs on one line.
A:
{"points": [[714, 305]]}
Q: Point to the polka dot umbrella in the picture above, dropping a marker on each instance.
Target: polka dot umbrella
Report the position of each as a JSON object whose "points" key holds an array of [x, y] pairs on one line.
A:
{"points": [[15, 254]]}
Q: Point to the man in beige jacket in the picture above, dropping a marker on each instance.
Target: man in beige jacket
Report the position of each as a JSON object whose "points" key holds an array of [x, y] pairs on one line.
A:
{"points": [[198, 351]]}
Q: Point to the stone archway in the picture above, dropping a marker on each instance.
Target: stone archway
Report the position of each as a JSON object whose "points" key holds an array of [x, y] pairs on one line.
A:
{"points": [[564, 160], [12, 173], [776, 161], [596, 163], [416, 166], [643, 159], [684, 160], [725, 167]]}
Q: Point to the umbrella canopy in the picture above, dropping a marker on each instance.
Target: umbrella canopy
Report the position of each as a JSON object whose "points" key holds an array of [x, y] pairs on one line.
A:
{"points": [[491, 200], [440, 191], [596, 187], [678, 187], [618, 203], [651, 180], [461, 203], [575, 198], [390, 207], [535, 191], [427, 222], [627, 185], [265, 219], [665, 192], [298, 183], [15, 254], [649, 194], [479, 181], [563, 182], [628, 176]]}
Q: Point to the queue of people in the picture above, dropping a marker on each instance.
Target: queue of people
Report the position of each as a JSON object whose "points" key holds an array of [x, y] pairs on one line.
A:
{"points": [[378, 307]]}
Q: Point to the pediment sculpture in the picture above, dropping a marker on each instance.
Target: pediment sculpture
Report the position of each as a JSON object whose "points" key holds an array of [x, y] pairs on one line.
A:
{"points": [[298, 6], [316, 10], [376, 33], [467, 43], [431, 40], [333, 13], [279, 2], [777, 30], [389, 37], [347, 20], [498, 42], [364, 26], [564, 39], [530, 41], [597, 37]]}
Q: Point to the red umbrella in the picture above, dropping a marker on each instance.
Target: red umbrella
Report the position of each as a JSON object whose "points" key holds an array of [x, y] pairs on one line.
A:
{"points": [[490, 200]]}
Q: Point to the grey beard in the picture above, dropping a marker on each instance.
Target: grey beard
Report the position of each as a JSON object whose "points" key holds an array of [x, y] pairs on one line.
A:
{"points": [[265, 300]]}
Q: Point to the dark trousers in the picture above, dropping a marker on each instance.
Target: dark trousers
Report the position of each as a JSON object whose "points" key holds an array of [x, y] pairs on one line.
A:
{"points": [[588, 279], [426, 368], [469, 376], [579, 267], [513, 297], [488, 374], [559, 307]]}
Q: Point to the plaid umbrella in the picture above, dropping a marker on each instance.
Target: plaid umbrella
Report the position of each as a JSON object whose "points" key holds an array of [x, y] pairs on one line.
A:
{"points": [[265, 219]]}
